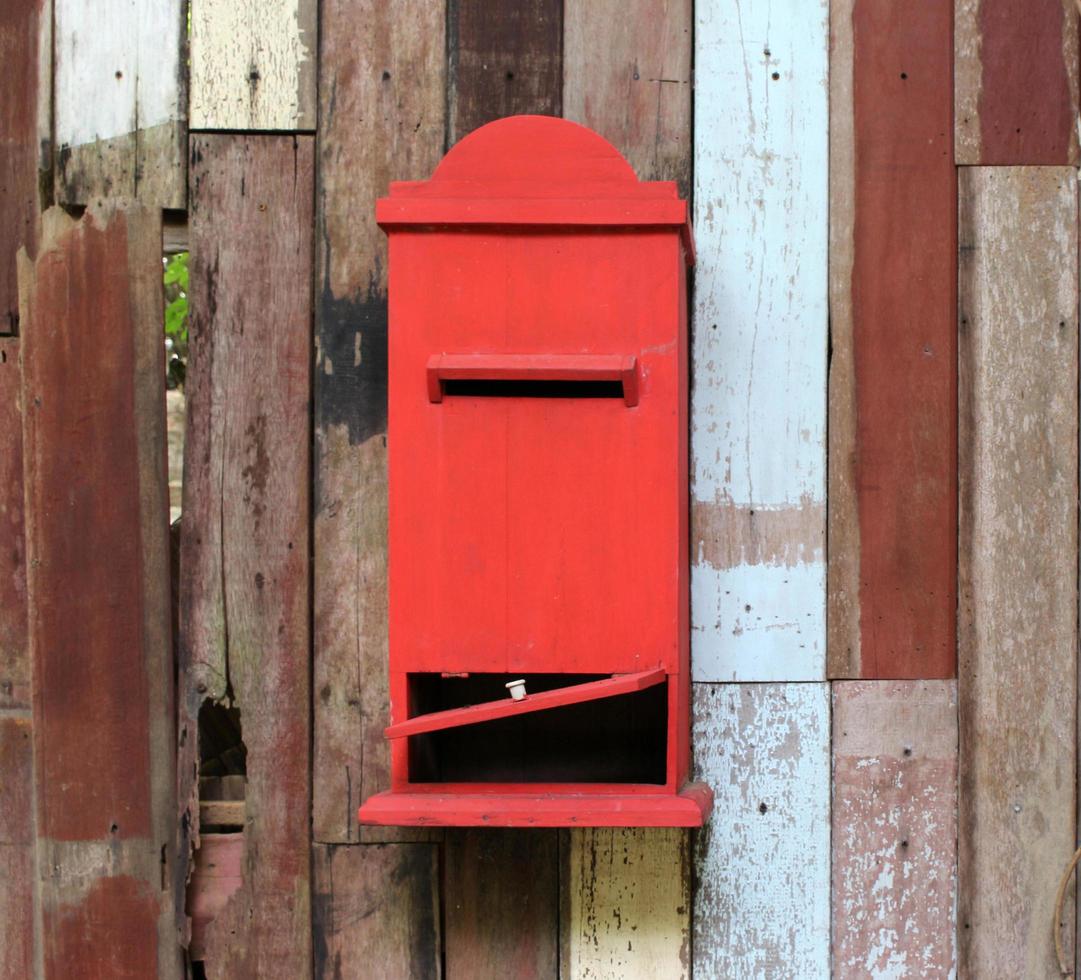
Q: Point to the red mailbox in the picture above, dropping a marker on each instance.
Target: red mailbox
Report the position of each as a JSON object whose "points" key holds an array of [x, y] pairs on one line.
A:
{"points": [[539, 669]]}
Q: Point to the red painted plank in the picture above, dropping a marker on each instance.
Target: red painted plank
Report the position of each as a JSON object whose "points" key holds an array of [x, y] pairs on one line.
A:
{"points": [[508, 707], [98, 585], [16, 849], [14, 659], [893, 461]]}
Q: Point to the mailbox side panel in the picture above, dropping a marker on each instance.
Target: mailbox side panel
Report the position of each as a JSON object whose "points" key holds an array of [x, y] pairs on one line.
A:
{"points": [[537, 533]]}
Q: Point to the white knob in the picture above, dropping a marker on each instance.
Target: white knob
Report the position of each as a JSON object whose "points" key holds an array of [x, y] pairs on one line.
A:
{"points": [[517, 688]]}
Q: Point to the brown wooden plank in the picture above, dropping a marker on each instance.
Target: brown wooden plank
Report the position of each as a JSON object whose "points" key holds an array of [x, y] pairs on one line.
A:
{"points": [[501, 904], [382, 114], [1016, 87], [892, 388], [504, 60], [16, 848], [1018, 563], [14, 656], [894, 828], [98, 587], [375, 911], [244, 551], [627, 74]]}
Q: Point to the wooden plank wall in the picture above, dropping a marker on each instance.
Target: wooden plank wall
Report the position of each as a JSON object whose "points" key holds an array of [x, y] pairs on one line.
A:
{"points": [[890, 731]]}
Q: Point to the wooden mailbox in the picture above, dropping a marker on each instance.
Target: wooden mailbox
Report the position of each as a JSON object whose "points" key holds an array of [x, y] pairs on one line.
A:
{"points": [[538, 489]]}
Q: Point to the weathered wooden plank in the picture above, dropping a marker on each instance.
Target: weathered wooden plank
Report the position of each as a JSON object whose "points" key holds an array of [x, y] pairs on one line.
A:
{"points": [[762, 895], [635, 87], [16, 848], [119, 101], [382, 66], [894, 828], [892, 390], [244, 548], [253, 65], [14, 656], [504, 59], [1015, 82], [376, 911], [1018, 562], [26, 53], [758, 404], [625, 900], [98, 592], [501, 904]]}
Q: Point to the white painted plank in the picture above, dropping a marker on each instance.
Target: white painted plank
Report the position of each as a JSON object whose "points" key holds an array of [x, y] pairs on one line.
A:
{"points": [[762, 901], [626, 904], [253, 65], [760, 335]]}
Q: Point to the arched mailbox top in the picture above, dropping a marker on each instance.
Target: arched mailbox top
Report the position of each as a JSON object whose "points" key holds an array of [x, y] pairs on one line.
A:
{"points": [[535, 170]]}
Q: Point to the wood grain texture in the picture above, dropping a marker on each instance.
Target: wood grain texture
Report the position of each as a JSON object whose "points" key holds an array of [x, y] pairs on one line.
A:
{"points": [[25, 50], [635, 87], [762, 895], [376, 911], [892, 391], [119, 101], [894, 828], [625, 900], [504, 59], [758, 401], [16, 848], [384, 67], [253, 65], [501, 904], [14, 655], [1015, 82], [1018, 563], [98, 594], [244, 593]]}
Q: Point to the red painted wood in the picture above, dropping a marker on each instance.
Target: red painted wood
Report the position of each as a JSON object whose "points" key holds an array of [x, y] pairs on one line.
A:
{"points": [[538, 535], [507, 708], [539, 808], [14, 657], [16, 848], [905, 350], [1027, 113], [218, 873]]}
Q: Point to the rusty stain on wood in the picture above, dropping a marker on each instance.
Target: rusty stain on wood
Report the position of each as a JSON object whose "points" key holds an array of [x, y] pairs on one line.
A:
{"points": [[376, 911], [625, 903], [1018, 562], [98, 588], [892, 495], [634, 88], [384, 66], [894, 828], [504, 59], [1016, 82], [245, 543]]}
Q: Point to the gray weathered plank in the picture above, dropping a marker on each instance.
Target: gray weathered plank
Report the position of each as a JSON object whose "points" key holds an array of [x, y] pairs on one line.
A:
{"points": [[1018, 563]]}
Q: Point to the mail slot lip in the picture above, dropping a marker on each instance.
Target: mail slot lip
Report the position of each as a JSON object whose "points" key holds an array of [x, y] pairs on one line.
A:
{"points": [[533, 367]]}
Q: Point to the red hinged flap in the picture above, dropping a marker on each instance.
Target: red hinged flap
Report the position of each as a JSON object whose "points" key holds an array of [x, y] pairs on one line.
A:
{"points": [[506, 707]]}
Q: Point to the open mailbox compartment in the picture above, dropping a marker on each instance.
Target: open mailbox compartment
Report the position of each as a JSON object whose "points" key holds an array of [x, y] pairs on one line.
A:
{"points": [[537, 441]]}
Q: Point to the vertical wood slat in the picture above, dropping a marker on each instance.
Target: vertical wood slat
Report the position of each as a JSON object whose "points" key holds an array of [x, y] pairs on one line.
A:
{"points": [[385, 67], [26, 43], [758, 410], [501, 903], [119, 101], [14, 656], [892, 389], [376, 911], [253, 65], [244, 549], [98, 588], [1018, 562], [625, 901], [635, 87], [762, 895], [1016, 82], [16, 847], [894, 828], [504, 59]]}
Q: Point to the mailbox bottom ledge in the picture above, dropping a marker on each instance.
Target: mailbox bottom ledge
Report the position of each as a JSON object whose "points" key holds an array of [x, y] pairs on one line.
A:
{"points": [[689, 808]]}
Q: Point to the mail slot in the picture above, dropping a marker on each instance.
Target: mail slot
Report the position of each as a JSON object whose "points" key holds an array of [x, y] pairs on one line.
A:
{"points": [[537, 440]]}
